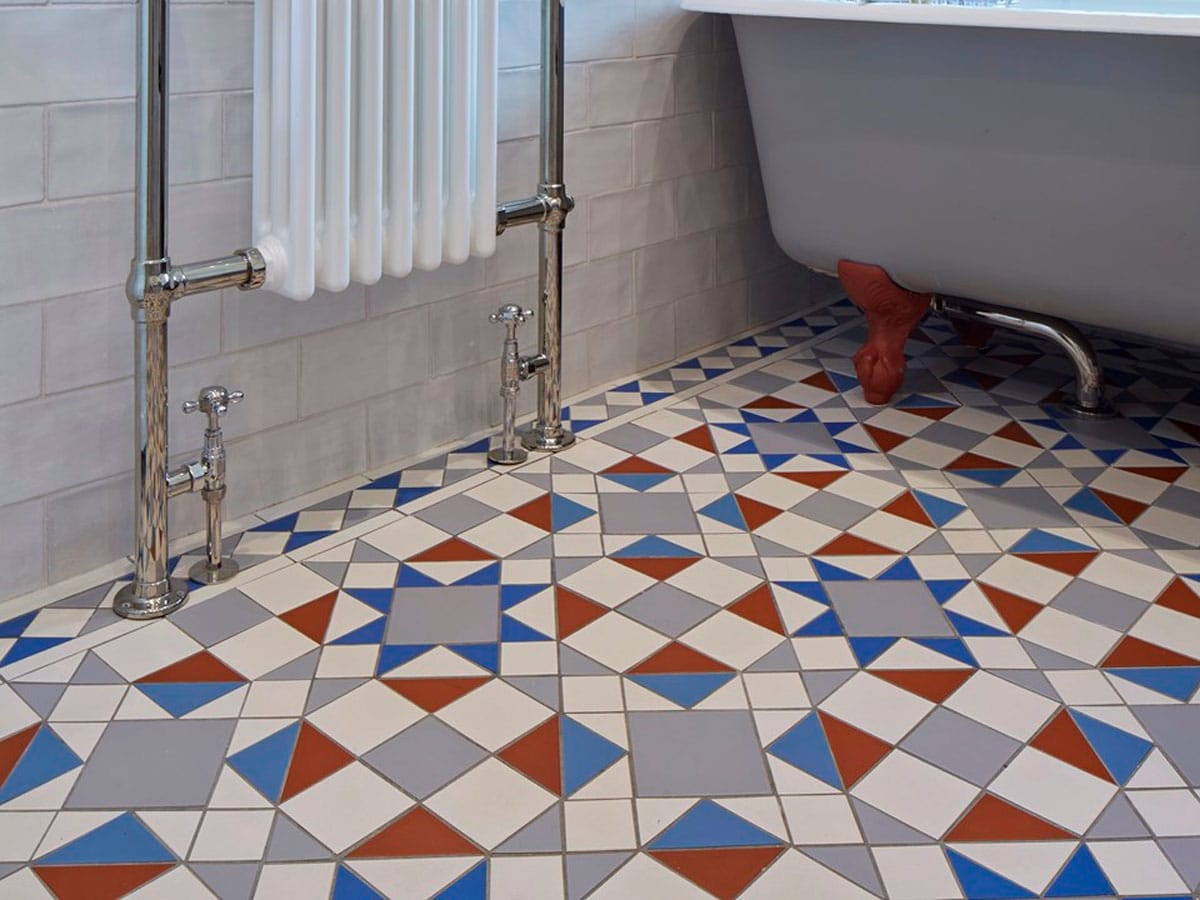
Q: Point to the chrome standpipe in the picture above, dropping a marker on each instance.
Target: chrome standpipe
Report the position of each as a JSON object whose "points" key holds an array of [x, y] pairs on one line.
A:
{"points": [[214, 401], [511, 375]]}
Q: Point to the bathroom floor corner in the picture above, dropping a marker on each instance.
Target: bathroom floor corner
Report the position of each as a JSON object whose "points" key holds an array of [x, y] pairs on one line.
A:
{"points": [[750, 637]]}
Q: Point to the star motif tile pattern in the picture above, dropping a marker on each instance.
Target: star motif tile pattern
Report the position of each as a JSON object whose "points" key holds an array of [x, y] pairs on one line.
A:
{"points": [[762, 639]]}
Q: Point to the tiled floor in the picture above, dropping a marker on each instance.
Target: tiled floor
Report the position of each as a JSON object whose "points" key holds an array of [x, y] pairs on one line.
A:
{"points": [[751, 638]]}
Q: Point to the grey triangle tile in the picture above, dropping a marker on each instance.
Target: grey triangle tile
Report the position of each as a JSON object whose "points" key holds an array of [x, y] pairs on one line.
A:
{"points": [[42, 697], [880, 828], [1044, 658], [1174, 730], [332, 572], [565, 568], [1032, 679], [542, 688], [8, 868], [977, 563], [572, 662], [537, 479], [326, 690], [541, 549], [586, 870], [710, 466], [748, 564], [1145, 557], [770, 548], [781, 659], [821, 684], [1184, 853], [853, 862], [560, 466], [365, 553], [101, 618], [1119, 820], [542, 835], [341, 501], [302, 669], [935, 543], [737, 480], [89, 599], [354, 516], [229, 881], [291, 843], [94, 670]]}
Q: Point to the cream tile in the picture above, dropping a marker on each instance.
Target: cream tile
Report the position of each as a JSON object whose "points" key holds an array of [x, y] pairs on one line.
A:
{"points": [[347, 806]]}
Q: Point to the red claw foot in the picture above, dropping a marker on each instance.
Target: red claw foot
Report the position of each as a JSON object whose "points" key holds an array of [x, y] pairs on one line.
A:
{"points": [[892, 313]]}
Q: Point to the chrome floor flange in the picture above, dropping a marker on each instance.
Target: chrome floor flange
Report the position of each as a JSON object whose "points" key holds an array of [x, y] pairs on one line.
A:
{"points": [[135, 601], [1090, 401]]}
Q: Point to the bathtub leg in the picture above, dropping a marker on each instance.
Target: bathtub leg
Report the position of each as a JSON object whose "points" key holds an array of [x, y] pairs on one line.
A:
{"points": [[892, 313]]}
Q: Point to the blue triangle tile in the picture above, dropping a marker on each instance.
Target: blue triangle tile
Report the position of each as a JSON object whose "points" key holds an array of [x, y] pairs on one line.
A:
{"points": [[725, 510], [834, 459], [939, 510], [1120, 751], [813, 590], [713, 373], [379, 599], [945, 588], [409, 494], [824, 625], [653, 546], [774, 460], [585, 754], [16, 627], [842, 382], [744, 448], [649, 397], [1052, 424], [285, 523], [28, 646], [515, 632], [640, 481], [920, 401], [1085, 501], [753, 418], [408, 577], [994, 477], [1178, 682], [480, 446], [828, 572], [847, 447], [393, 655], [486, 655], [265, 763], [564, 512], [708, 825], [805, 747], [44, 759], [348, 886], [1081, 877], [868, 649], [807, 417], [512, 594], [836, 428], [181, 698], [489, 574], [968, 627], [371, 633], [689, 364], [1167, 454], [472, 886], [123, 840], [979, 883], [903, 570], [628, 388], [952, 647], [1038, 541], [734, 427], [303, 539], [386, 482], [685, 690], [578, 425]]}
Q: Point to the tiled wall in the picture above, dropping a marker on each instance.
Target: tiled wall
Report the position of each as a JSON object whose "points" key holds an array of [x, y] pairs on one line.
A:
{"points": [[669, 250]]}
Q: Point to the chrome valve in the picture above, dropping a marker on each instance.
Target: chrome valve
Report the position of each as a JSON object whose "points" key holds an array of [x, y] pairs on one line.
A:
{"points": [[510, 316], [214, 401]]}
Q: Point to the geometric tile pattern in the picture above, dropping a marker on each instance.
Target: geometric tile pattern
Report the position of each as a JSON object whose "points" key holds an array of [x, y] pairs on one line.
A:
{"points": [[760, 640]]}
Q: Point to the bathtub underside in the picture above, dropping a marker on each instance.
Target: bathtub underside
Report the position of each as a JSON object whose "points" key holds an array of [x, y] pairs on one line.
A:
{"points": [[1054, 172]]}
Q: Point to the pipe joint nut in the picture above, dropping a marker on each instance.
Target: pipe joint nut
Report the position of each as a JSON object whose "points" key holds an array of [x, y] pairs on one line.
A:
{"points": [[558, 203], [152, 286], [256, 268]]}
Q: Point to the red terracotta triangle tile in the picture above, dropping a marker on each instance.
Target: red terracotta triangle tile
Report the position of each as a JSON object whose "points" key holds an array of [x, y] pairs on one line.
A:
{"points": [[453, 550], [755, 513], [658, 567], [678, 659], [416, 833], [536, 513], [1017, 612], [819, 479], [574, 612], [987, 380], [758, 607], [1181, 598], [106, 882], [1169, 474], [315, 758], [432, 694], [906, 506], [993, 819], [854, 751], [635, 465], [12, 747], [1192, 429], [1134, 653], [1063, 740], [1127, 510], [885, 440], [935, 685], [699, 437], [536, 755], [1069, 563], [937, 413], [312, 619], [852, 545], [772, 402], [723, 872], [820, 380], [1014, 432], [199, 667], [975, 461]]}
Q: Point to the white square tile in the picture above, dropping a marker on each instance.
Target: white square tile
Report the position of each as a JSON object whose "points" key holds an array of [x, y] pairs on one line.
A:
{"points": [[776, 690], [823, 653], [998, 652], [1025, 579], [526, 878], [406, 538], [1137, 867], [228, 835], [503, 535], [20, 833], [263, 648], [88, 703], [1081, 687], [1127, 576], [607, 582], [147, 650], [916, 793], [877, 707], [348, 661], [1170, 813], [505, 493], [287, 588], [797, 533], [1071, 635], [371, 575], [347, 806], [714, 581], [57, 623], [826, 819], [490, 803], [735, 641], [592, 693], [295, 881], [1054, 790], [494, 715], [366, 717], [1001, 705], [1174, 630], [916, 873], [616, 641], [275, 699], [594, 825]]}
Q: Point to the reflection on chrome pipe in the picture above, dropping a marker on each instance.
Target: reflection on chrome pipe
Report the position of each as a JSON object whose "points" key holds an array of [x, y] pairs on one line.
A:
{"points": [[1089, 401]]}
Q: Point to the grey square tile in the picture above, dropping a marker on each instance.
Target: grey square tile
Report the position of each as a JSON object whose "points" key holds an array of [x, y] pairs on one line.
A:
{"points": [[1174, 730], [668, 609], [888, 609], [1099, 604], [445, 615], [425, 757], [947, 435], [457, 514], [961, 746], [220, 617], [830, 509], [1015, 508], [153, 765], [792, 437], [763, 382], [647, 514], [696, 754], [632, 438]]}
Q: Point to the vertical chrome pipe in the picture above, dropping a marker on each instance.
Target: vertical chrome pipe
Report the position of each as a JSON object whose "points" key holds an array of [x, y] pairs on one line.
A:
{"points": [[547, 432], [150, 287]]}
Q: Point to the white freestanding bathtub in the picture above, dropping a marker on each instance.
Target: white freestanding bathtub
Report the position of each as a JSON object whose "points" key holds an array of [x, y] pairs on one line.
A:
{"points": [[1043, 155]]}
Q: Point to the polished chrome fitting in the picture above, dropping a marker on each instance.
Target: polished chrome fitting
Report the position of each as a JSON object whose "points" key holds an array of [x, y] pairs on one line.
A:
{"points": [[512, 372], [214, 401], [558, 204]]}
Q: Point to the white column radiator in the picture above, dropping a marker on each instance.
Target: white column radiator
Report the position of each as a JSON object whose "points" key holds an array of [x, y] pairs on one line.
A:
{"points": [[374, 138]]}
